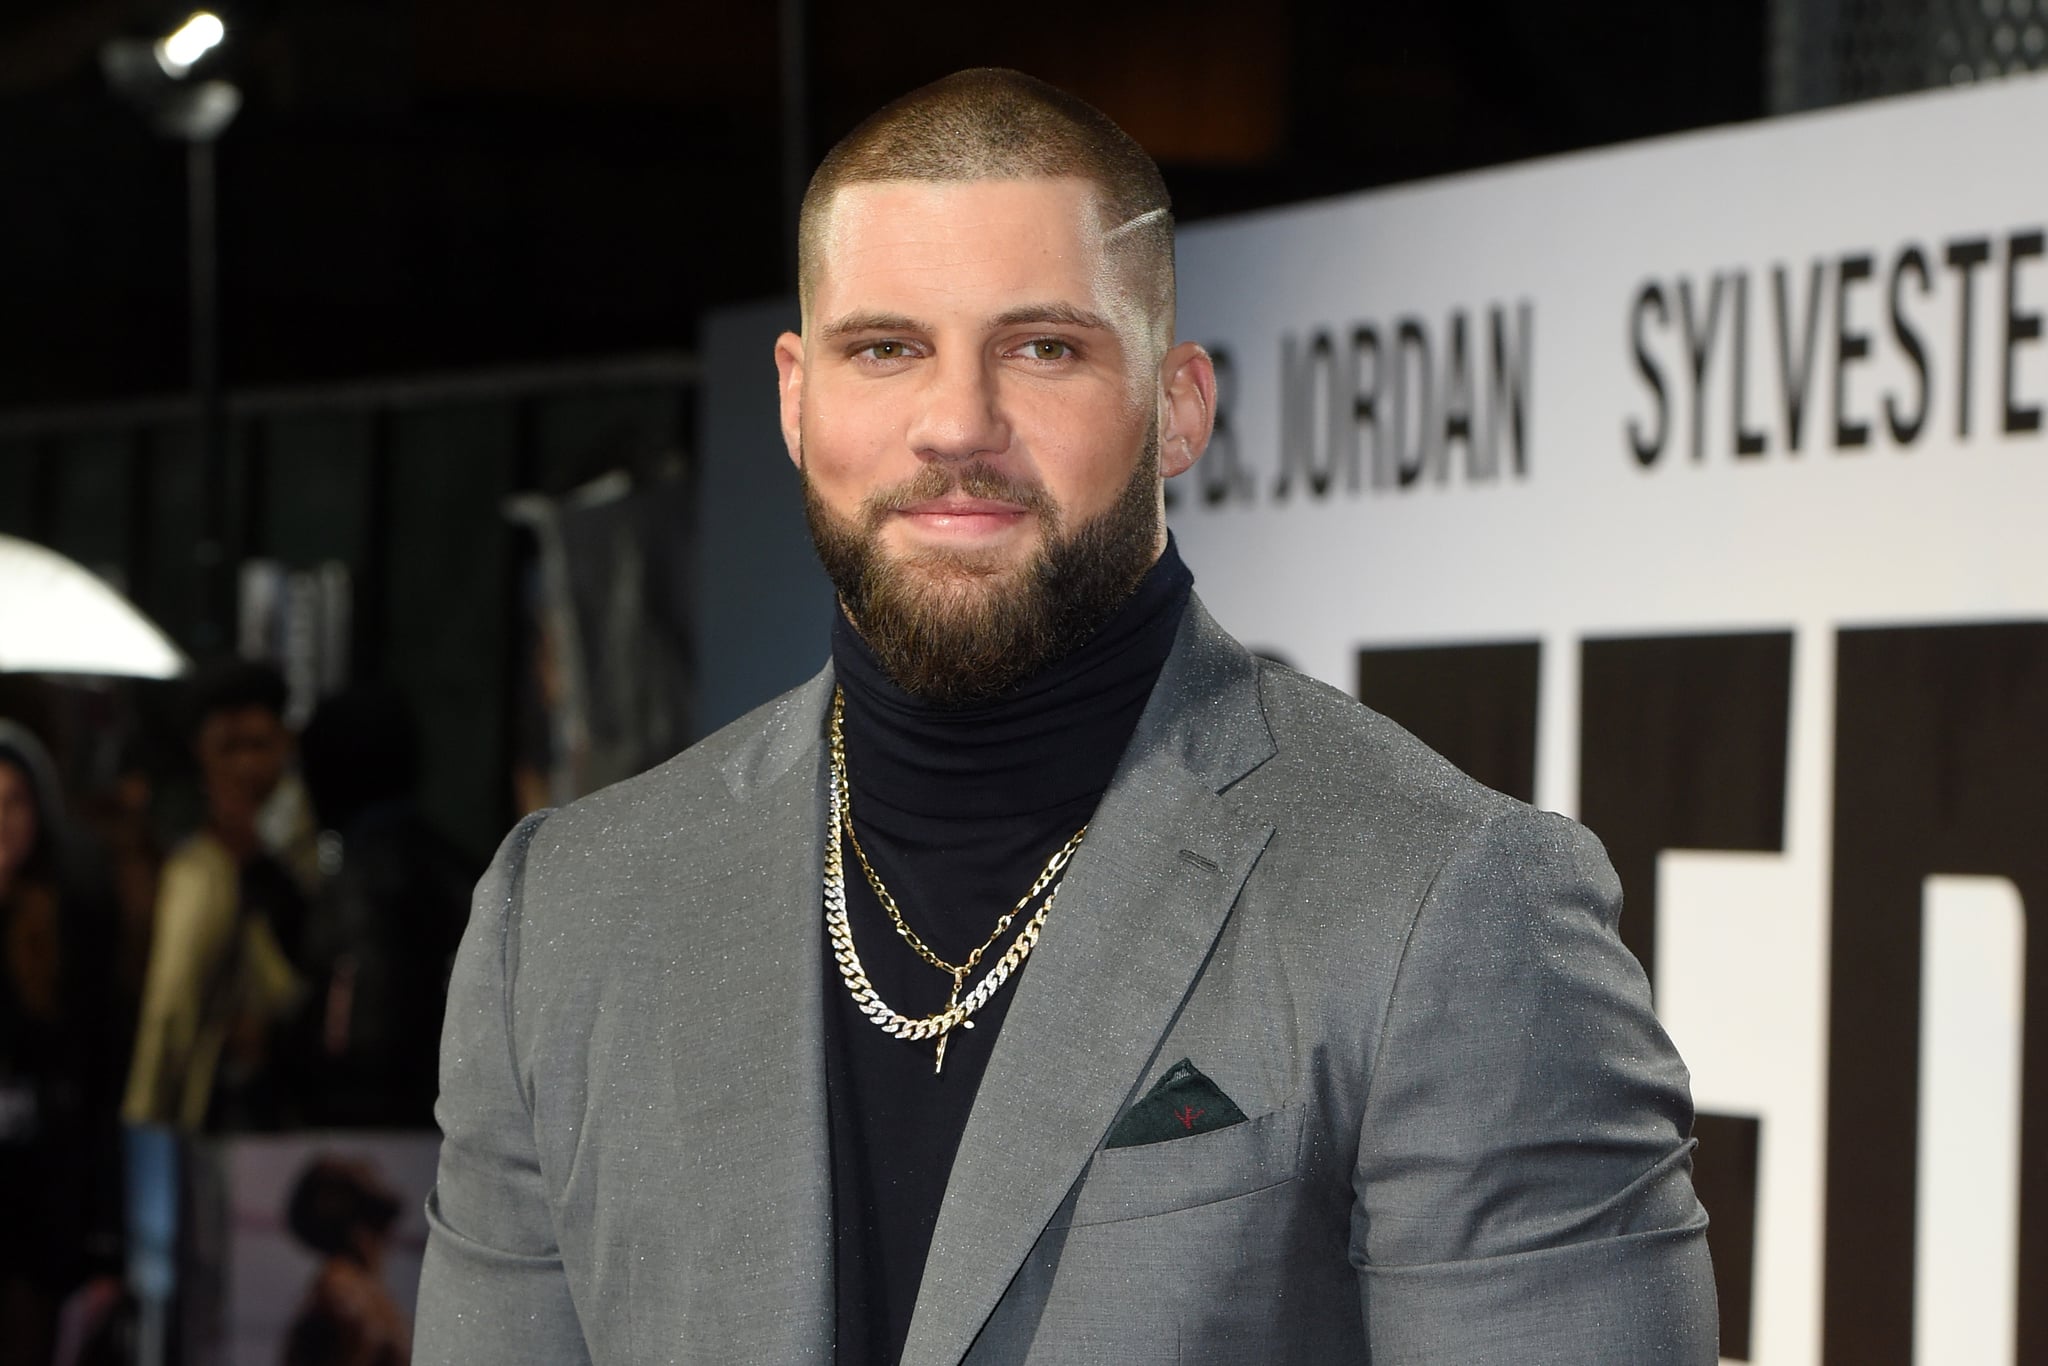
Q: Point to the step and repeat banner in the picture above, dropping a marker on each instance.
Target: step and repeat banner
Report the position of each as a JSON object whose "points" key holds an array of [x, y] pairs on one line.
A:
{"points": [[1699, 488]]}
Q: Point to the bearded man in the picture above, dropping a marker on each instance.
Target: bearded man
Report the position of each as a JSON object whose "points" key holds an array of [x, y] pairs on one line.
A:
{"points": [[1048, 980]]}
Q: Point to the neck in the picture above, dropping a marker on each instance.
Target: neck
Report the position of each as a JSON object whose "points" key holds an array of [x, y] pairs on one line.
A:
{"points": [[1053, 738]]}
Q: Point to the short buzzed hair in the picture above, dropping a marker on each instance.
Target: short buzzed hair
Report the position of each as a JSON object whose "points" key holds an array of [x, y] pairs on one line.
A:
{"points": [[993, 124], [233, 684]]}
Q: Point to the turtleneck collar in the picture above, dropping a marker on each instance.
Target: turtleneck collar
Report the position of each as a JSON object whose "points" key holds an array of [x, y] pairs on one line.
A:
{"points": [[1053, 739]]}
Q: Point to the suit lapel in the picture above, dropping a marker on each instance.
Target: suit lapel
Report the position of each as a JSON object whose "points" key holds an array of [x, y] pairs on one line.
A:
{"points": [[1143, 903], [775, 1256]]}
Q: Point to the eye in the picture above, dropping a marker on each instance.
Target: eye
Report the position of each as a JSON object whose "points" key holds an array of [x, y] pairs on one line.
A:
{"points": [[885, 350], [1048, 348]]}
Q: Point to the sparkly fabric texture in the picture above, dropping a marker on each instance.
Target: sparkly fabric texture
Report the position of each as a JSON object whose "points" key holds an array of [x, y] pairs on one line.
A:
{"points": [[1466, 1138]]}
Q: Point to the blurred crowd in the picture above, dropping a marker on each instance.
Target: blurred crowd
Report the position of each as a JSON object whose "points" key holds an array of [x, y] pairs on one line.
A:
{"points": [[273, 958]]}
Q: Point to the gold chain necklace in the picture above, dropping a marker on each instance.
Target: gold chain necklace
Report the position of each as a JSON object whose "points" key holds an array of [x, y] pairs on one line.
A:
{"points": [[869, 1001]]}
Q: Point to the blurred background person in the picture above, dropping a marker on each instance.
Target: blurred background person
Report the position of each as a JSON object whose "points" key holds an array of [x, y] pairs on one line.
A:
{"points": [[220, 980], [54, 1157], [344, 1211], [384, 926], [121, 816]]}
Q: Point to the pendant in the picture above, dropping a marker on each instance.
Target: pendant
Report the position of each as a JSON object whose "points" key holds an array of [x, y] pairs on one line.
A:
{"points": [[939, 1065]]}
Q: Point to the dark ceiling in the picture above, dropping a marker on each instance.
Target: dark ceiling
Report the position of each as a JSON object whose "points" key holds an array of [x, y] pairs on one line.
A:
{"points": [[457, 183]]}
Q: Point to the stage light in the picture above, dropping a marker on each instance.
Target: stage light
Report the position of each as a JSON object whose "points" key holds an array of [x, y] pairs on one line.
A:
{"points": [[196, 37], [156, 76]]}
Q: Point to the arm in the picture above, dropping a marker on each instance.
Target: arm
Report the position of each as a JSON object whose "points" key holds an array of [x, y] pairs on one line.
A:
{"points": [[195, 915], [492, 1286], [1523, 1184]]}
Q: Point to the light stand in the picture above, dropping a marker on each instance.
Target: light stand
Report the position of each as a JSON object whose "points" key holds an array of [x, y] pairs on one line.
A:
{"points": [[155, 78]]}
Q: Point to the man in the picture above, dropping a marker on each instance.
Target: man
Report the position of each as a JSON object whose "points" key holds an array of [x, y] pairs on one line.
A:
{"points": [[383, 927], [219, 979], [1049, 980]]}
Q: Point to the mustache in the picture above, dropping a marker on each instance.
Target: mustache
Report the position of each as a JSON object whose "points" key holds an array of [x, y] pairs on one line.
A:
{"points": [[978, 479]]}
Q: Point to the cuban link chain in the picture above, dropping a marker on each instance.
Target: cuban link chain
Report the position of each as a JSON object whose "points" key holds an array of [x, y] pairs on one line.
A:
{"points": [[958, 1008]]}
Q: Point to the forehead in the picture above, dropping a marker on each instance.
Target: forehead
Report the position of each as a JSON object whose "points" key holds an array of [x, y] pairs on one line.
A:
{"points": [[923, 248]]}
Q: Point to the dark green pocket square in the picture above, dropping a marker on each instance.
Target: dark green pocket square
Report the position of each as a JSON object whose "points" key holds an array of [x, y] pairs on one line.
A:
{"points": [[1181, 1104]]}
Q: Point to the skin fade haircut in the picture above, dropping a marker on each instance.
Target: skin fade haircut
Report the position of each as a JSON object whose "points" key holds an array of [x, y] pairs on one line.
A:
{"points": [[994, 124]]}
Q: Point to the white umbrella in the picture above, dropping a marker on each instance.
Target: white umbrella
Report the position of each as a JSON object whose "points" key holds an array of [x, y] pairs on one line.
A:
{"points": [[58, 617]]}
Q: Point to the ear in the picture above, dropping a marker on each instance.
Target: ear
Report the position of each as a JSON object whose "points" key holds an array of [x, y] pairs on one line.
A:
{"points": [[789, 369], [1187, 407]]}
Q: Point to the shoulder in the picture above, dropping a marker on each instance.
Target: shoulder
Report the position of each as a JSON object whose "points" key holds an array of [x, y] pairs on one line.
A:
{"points": [[199, 853], [1340, 755], [1360, 810], [633, 859], [1347, 772], [697, 798], [198, 876]]}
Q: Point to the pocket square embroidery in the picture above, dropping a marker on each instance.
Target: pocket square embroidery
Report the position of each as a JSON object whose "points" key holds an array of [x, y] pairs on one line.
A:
{"points": [[1180, 1104]]}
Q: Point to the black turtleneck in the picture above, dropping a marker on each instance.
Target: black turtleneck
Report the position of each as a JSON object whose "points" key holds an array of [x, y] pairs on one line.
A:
{"points": [[959, 809]]}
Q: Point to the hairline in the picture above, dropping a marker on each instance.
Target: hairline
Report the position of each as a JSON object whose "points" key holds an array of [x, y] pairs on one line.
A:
{"points": [[1118, 240]]}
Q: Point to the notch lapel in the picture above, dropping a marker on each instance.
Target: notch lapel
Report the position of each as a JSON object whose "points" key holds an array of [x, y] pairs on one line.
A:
{"points": [[1144, 900], [769, 1297]]}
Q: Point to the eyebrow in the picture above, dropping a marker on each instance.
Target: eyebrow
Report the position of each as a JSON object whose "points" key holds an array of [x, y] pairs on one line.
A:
{"points": [[854, 324], [1057, 315], [1025, 315]]}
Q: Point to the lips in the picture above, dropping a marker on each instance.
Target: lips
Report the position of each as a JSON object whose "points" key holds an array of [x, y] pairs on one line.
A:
{"points": [[963, 507]]}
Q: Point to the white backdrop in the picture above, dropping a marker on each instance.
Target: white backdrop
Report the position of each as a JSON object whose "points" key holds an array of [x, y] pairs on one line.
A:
{"points": [[1617, 299]]}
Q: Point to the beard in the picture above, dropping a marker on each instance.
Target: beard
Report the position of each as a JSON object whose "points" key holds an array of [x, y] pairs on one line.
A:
{"points": [[956, 627]]}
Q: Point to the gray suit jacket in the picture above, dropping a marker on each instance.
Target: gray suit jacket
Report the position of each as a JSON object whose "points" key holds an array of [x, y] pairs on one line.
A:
{"points": [[1466, 1139]]}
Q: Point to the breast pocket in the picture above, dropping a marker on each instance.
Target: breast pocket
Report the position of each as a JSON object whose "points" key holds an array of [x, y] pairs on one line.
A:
{"points": [[1182, 1173]]}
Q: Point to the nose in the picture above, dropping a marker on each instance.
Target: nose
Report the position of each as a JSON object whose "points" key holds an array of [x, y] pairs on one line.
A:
{"points": [[960, 413]]}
